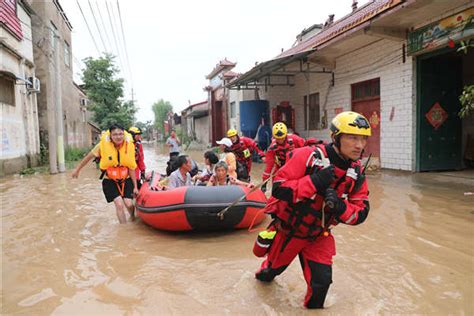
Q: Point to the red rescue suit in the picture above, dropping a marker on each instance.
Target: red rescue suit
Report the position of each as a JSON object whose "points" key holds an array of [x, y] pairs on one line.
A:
{"points": [[140, 159], [296, 208], [243, 149], [276, 155]]}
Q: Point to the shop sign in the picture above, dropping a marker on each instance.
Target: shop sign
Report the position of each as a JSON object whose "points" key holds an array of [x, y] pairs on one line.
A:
{"points": [[443, 32]]}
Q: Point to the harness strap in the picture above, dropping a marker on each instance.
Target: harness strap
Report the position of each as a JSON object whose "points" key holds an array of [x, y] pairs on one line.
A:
{"points": [[121, 188]]}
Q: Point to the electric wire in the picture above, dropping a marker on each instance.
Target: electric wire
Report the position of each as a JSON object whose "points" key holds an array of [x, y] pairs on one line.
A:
{"points": [[97, 26], [87, 24], [109, 42], [115, 38], [125, 43]]}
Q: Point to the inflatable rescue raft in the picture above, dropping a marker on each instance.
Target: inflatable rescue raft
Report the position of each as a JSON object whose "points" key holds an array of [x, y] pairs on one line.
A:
{"points": [[196, 207]]}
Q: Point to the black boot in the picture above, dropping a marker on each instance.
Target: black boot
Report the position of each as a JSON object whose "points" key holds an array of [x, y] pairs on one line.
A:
{"points": [[318, 297], [265, 275]]}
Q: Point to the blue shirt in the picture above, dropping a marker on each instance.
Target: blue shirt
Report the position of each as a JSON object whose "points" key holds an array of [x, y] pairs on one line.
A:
{"points": [[176, 180], [174, 143]]}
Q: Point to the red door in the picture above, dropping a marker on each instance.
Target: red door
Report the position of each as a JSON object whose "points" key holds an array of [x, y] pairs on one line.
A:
{"points": [[217, 121], [366, 101]]}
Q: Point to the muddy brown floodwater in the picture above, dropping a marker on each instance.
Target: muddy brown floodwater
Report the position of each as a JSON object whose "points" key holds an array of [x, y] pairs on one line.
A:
{"points": [[64, 253]]}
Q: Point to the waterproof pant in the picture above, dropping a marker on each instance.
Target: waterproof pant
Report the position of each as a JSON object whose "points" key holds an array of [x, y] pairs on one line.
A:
{"points": [[316, 261]]}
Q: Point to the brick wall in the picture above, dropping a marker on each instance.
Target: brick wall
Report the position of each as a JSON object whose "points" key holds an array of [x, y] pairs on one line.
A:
{"points": [[381, 59]]}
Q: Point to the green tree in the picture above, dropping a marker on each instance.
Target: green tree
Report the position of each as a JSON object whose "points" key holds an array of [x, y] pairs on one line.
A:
{"points": [[105, 91], [467, 96], [161, 110]]}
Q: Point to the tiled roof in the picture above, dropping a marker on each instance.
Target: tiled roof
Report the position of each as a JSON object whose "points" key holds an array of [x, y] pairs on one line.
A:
{"points": [[193, 105], [361, 15], [220, 66], [230, 74]]}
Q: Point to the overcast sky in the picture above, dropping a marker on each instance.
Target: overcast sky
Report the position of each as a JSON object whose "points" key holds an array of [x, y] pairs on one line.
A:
{"points": [[173, 45]]}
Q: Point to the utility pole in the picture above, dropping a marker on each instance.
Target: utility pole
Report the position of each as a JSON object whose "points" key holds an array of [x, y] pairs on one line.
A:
{"points": [[51, 110], [59, 108]]}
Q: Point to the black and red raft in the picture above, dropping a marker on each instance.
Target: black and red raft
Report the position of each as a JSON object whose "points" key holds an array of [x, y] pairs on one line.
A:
{"points": [[197, 207]]}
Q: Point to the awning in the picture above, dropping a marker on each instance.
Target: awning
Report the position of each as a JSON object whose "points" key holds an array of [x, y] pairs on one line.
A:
{"points": [[302, 50], [268, 68]]}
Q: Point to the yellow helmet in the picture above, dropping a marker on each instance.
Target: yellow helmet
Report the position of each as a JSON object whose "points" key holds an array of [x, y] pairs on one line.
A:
{"points": [[279, 130], [134, 130], [349, 122], [231, 132]]}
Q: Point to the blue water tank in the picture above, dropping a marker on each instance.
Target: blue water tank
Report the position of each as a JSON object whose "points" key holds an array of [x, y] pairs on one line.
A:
{"points": [[251, 114]]}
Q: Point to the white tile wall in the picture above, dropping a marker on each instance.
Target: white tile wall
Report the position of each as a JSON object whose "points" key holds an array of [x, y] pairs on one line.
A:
{"points": [[382, 59]]}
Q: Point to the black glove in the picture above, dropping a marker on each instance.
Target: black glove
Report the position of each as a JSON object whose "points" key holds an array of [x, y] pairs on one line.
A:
{"points": [[360, 179], [322, 179], [335, 203], [264, 188]]}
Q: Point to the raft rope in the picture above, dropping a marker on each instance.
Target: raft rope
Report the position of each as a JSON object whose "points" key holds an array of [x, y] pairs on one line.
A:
{"points": [[255, 188]]}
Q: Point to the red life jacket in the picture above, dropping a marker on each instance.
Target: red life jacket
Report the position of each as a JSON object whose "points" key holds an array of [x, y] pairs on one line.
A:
{"points": [[304, 218], [241, 151], [282, 150]]}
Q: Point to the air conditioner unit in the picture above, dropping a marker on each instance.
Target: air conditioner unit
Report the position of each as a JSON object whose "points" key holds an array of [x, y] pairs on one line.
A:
{"points": [[84, 102], [34, 85]]}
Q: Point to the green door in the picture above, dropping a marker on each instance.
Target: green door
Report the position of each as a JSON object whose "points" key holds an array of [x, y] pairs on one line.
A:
{"points": [[439, 127]]}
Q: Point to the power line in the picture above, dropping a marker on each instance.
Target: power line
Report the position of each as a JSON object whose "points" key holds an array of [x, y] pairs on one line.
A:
{"points": [[87, 24], [124, 42], [115, 38], [97, 25], [109, 43]]}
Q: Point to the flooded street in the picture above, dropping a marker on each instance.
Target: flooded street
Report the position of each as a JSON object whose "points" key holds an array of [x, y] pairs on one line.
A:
{"points": [[64, 253]]}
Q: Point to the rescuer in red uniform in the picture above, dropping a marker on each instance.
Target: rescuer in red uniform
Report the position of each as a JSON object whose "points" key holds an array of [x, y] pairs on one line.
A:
{"points": [[318, 188], [139, 156], [243, 147], [282, 144]]}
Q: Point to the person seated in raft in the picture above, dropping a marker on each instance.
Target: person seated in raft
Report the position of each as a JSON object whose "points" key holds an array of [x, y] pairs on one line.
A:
{"points": [[210, 159], [181, 177], [228, 156], [221, 177]]}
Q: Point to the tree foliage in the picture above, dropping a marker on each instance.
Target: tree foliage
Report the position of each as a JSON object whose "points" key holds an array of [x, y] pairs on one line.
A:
{"points": [[467, 96], [161, 110], [467, 101], [105, 92]]}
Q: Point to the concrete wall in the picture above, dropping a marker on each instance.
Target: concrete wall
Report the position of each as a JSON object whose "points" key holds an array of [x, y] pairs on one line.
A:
{"points": [[76, 133], [76, 129], [201, 128], [381, 59], [20, 146]]}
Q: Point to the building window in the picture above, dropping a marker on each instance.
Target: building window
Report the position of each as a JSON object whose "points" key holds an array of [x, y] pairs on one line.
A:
{"points": [[366, 90], [67, 54], [233, 113], [311, 112], [7, 90], [52, 35]]}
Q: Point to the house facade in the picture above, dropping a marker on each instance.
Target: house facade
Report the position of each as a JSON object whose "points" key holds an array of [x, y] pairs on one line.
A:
{"points": [[195, 122], [394, 61], [20, 146], [218, 99], [52, 32]]}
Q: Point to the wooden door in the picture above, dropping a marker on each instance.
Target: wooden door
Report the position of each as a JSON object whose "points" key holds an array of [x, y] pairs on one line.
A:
{"points": [[366, 101]]}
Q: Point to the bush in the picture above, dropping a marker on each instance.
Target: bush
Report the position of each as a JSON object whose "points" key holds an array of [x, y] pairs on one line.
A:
{"points": [[467, 101], [75, 154]]}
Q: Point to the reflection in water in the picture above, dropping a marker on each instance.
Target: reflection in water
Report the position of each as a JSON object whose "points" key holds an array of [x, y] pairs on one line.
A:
{"points": [[65, 253]]}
